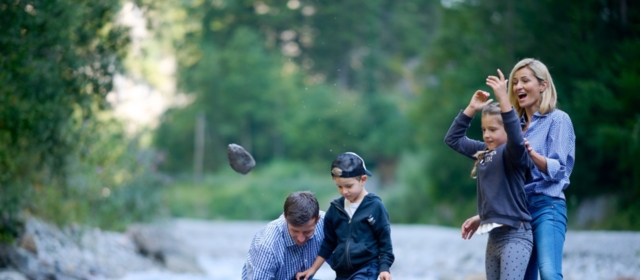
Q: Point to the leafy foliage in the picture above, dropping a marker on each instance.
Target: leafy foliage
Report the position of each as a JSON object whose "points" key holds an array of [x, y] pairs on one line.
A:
{"points": [[296, 83], [258, 195], [57, 61], [582, 43], [389, 85], [111, 182]]}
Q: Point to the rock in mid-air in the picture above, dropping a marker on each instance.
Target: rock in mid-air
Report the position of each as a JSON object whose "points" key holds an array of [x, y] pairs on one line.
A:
{"points": [[239, 159]]}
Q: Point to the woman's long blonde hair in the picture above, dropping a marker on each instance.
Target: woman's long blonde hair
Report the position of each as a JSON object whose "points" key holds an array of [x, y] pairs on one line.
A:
{"points": [[492, 109], [549, 95]]}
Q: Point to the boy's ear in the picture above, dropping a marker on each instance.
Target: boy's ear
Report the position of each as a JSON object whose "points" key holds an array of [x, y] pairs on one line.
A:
{"points": [[364, 178]]}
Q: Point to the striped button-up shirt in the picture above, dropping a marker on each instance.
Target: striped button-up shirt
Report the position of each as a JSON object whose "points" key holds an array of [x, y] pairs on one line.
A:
{"points": [[275, 255], [552, 136]]}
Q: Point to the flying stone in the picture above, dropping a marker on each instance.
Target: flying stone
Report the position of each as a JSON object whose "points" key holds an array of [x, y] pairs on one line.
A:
{"points": [[239, 159]]}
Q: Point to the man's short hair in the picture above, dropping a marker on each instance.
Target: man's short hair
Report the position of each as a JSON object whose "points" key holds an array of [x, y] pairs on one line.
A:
{"points": [[300, 208]]}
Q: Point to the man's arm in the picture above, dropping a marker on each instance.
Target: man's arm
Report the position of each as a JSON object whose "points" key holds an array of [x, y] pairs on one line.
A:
{"points": [[261, 264]]}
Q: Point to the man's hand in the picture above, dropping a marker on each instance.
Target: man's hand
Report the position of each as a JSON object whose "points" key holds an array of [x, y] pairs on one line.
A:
{"points": [[470, 226], [385, 275]]}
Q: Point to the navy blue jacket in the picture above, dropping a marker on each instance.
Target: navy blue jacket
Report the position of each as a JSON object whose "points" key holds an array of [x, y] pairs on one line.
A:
{"points": [[357, 241]]}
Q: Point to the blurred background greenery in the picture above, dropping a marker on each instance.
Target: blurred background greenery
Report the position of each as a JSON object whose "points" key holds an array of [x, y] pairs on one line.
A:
{"points": [[296, 82]]}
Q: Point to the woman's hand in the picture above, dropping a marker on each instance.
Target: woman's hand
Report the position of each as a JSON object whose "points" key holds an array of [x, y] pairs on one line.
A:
{"points": [[385, 275]]}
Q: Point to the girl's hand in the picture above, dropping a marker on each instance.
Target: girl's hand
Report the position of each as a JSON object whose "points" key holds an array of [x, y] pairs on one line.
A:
{"points": [[385, 275], [528, 146], [499, 86], [478, 101], [470, 226]]}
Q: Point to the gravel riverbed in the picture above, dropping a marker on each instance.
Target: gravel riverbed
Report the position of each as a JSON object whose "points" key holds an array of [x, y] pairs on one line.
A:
{"points": [[422, 252]]}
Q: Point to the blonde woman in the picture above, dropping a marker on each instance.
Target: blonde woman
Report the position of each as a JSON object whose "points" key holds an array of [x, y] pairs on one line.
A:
{"points": [[550, 140]]}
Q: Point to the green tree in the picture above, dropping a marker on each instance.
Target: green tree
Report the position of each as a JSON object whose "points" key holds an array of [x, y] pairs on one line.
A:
{"points": [[582, 42], [57, 61], [240, 86]]}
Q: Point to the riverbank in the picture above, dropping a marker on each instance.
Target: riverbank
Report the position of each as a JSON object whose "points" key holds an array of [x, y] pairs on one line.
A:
{"points": [[188, 249], [422, 252]]}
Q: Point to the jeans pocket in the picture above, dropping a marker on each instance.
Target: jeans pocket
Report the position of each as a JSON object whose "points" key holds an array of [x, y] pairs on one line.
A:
{"points": [[538, 201]]}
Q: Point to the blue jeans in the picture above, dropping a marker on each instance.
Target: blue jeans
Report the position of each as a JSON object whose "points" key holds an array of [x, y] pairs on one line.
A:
{"points": [[368, 272], [549, 223]]}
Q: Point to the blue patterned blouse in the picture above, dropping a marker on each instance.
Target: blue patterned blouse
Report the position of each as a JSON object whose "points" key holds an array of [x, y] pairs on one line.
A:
{"points": [[552, 136]]}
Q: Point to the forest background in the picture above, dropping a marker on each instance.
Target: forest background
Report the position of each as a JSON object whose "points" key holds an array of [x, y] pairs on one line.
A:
{"points": [[296, 83]]}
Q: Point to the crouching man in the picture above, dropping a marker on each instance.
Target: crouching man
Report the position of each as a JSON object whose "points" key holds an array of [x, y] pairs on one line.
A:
{"points": [[289, 244]]}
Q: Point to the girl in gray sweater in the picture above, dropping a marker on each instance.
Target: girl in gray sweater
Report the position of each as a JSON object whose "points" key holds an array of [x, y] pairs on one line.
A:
{"points": [[502, 165]]}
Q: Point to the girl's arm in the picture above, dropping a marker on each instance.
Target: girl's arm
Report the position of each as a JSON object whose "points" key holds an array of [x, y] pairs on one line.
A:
{"points": [[478, 101], [515, 149], [456, 136], [499, 86]]}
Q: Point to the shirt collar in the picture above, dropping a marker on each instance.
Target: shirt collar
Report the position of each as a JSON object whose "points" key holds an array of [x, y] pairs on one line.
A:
{"points": [[537, 114]]}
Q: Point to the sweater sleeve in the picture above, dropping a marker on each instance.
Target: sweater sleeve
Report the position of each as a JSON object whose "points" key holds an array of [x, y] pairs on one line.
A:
{"points": [[330, 240], [383, 234], [515, 149], [457, 140]]}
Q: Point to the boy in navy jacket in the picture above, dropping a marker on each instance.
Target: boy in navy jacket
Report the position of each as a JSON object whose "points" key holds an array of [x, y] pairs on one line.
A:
{"points": [[356, 227]]}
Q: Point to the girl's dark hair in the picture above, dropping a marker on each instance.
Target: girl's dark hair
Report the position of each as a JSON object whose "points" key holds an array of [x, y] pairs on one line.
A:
{"points": [[300, 208]]}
